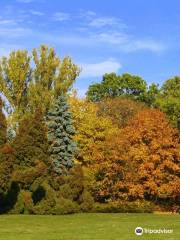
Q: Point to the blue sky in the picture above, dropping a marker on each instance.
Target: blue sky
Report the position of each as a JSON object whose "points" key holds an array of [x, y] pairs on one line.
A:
{"points": [[136, 36]]}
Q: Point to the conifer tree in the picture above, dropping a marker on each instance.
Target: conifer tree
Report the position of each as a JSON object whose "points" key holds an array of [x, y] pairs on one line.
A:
{"points": [[3, 125], [60, 136], [31, 142], [6, 156], [31, 149]]}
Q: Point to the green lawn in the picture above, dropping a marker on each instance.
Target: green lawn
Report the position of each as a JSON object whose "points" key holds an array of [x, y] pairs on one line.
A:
{"points": [[86, 226]]}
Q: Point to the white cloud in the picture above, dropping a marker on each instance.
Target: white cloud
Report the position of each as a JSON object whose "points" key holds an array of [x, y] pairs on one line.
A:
{"points": [[36, 13], [7, 22], [98, 69], [88, 15], [145, 44], [10, 32], [103, 21], [61, 16], [112, 37], [127, 43]]}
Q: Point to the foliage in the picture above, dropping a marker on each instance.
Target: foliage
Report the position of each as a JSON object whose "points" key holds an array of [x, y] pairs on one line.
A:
{"points": [[141, 162], [24, 204], [30, 81], [114, 151], [114, 86], [169, 100], [15, 75], [151, 94], [60, 136], [91, 129], [7, 161], [66, 206], [31, 143], [51, 77], [120, 110]]}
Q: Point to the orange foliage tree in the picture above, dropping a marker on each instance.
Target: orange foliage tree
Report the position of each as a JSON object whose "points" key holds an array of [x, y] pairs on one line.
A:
{"points": [[141, 162]]}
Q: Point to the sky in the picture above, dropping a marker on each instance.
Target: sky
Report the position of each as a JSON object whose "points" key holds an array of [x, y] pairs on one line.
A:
{"points": [[141, 37]]}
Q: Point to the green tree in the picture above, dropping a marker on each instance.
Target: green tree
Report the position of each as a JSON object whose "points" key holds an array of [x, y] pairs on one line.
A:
{"points": [[169, 100], [7, 161], [31, 152], [113, 85], [151, 95], [60, 136], [31, 143]]}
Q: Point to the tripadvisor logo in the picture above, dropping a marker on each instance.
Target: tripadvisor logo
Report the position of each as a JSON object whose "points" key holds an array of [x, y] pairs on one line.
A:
{"points": [[139, 231]]}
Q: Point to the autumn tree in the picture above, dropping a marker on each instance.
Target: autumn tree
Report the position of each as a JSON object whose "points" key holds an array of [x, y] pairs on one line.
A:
{"points": [[120, 109], [141, 162], [15, 73], [30, 81], [51, 77], [91, 129]]}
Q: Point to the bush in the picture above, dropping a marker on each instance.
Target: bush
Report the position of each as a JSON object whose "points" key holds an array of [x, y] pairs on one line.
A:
{"points": [[24, 204], [66, 206], [87, 201], [47, 203]]}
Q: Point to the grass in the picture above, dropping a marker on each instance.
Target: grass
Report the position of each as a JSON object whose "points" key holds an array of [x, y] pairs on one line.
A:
{"points": [[86, 226]]}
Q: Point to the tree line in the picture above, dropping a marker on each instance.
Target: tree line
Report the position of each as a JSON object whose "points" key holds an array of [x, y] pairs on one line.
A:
{"points": [[117, 150]]}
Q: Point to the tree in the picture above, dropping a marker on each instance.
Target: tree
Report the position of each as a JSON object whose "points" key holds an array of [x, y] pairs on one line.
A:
{"points": [[51, 77], [169, 100], [151, 95], [114, 86], [30, 81], [7, 161], [3, 125], [60, 136], [15, 75], [91, 129], [141, 162], [31, 143], [120, 109], [31, 152]]}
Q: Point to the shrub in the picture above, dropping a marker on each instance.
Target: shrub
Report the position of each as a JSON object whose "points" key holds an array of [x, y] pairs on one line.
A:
{"points": [[87, 201], [24, 204], [66, 206]]}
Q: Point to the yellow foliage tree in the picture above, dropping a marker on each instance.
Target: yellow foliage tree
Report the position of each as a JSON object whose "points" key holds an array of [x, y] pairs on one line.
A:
{"points": [[30, 81], [91, 129]]}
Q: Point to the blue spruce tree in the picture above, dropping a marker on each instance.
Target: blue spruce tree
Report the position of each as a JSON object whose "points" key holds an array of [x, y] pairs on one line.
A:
{"points": [[60, 136]]}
